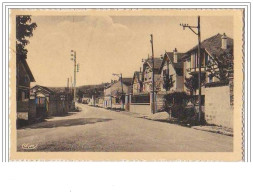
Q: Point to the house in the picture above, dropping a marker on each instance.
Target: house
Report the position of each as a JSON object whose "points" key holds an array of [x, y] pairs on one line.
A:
{"points": [[148, 71], [171, 70], [137, 82], [140, 100], [217, 95], [113, 96], [24, 77], [211, 48], [171, 77], [51, 101]]}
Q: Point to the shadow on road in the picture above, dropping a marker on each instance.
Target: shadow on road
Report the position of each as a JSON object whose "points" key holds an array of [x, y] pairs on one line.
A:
{"points": [[66, 123]]}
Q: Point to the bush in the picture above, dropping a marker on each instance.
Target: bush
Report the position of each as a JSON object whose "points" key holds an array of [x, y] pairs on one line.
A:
{"points": [[176, 106]]}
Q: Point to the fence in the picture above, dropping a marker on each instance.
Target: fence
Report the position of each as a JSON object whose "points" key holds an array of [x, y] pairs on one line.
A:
{"points": [[140, 104]]}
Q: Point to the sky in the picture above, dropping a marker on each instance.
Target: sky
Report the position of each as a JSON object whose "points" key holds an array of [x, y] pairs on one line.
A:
{"points": [[109, 44]]}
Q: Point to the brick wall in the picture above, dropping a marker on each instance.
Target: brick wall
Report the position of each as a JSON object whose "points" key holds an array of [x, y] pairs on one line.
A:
{"points": [[218, 110]]}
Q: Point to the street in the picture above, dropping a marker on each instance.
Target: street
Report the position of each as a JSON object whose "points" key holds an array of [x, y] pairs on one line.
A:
{"points": [[99, 130]]}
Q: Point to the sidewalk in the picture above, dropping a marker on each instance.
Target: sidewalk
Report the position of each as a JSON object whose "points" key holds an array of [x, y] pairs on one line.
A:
{"points": [[164, 117]]}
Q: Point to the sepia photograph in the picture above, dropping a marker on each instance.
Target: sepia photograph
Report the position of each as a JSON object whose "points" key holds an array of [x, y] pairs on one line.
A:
{"points": [[151, 84]]}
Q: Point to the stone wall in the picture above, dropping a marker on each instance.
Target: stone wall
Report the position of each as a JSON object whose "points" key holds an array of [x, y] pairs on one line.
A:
{"points": [[218, 110]]}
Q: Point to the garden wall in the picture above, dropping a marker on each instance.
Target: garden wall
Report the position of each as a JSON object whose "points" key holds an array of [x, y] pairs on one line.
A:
{"points": [[218, 110], [141, 108]]}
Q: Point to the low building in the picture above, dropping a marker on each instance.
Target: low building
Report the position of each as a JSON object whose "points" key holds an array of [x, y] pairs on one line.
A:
{"points": [[114, 93], [51, 101], [24, 77]]}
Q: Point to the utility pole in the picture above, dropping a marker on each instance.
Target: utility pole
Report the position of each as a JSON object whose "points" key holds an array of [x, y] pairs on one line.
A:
{"points": [[153, 75], [68, 84], [199, 60], [76, 69]]}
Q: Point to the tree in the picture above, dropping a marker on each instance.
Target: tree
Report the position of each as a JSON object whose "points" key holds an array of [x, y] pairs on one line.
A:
{"points": [[191, 83], [168, 82], [220, 66], [24, 30]]}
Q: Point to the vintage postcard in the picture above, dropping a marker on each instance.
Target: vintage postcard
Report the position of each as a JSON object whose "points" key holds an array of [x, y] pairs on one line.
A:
{"points": [[112, 85]]}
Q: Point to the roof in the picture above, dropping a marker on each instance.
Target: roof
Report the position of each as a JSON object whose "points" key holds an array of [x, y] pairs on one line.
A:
{"points": [[213, 46], [55, 90], [157, 64], [28, 70], [137, 74], [127, 81], [170, 56]]}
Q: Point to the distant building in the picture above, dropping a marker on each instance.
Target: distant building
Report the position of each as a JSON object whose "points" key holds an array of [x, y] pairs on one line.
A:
{"points": [[147, 73], [113, 97], [24, 77], [137, 82]]}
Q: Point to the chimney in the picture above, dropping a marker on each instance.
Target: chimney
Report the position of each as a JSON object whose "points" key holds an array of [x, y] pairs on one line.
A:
{"points": [[140, 75], [224, 41], [175, 55]]}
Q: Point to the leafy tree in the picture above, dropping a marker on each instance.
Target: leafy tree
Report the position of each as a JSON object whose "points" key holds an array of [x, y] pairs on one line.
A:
{"points": [[24, 30], [168, 82], [192, 83], [221, 66]]}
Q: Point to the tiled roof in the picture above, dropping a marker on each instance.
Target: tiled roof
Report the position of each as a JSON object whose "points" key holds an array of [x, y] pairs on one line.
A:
{"points": [[170, 55], [213, 46], [179, 63], [157, 64]]}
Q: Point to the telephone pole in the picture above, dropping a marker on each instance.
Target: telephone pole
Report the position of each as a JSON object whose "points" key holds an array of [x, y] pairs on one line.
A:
{"points": [[199, 60], [76, 69], [153, 75]]}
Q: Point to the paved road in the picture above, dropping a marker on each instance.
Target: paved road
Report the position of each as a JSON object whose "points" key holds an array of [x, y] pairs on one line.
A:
{"points": [[97, 129]]}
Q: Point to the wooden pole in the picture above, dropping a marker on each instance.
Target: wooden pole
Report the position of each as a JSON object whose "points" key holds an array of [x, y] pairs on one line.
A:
{"points": [[153, 77], [199, 64]]}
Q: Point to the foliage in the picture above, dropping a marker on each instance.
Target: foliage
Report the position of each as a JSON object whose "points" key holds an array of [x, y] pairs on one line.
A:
{"points": [[177, 105], [79, 93], [24, 30], [168, 82], [177, 98], [192, 83], [221, 66]]}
